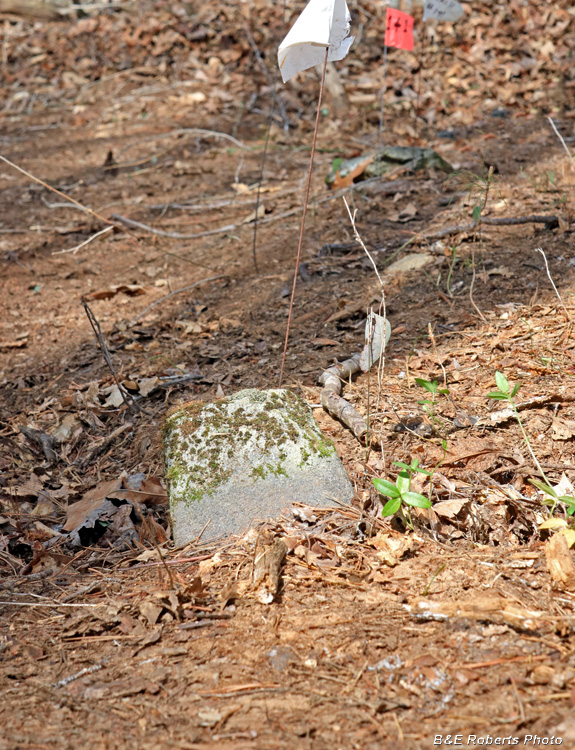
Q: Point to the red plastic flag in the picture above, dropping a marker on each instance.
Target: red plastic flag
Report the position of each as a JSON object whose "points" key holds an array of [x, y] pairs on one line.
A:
{"points": [[398, 29]]}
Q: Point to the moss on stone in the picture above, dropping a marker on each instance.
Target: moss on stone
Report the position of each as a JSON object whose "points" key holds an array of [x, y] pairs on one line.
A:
{"points": [[197, 469]]}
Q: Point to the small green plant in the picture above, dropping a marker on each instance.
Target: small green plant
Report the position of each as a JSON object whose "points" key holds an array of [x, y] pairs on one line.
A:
{"points": [[400, 494], [504, 394], [552, 498], [336, 164], [428, 404], [478, 187]]}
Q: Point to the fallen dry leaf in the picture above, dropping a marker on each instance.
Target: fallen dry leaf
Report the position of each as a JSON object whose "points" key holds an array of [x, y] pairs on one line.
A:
{"points": [[132, 290]]}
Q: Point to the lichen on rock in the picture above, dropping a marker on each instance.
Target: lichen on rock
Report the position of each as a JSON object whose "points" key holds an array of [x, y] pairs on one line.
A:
{"points": [[249, 445]]}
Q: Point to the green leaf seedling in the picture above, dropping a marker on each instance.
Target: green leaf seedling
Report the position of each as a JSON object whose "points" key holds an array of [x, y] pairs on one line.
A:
{"points": [[400, 493], [507, 393], [432, 386]]}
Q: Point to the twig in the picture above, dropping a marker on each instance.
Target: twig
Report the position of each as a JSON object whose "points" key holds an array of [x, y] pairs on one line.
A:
{"points": [[558, 134], [53, 206], [87, 670], [478, 223], [203, 206], [540, 250], [126, 397], [390, 187], [74, 250], [188, 131], [305, 202], [172, 294], [382, 308], [361, 242], [437, 357], [551, 222], [223, 203], [54, 190], [47, 604], [477, 310], [100, 445], [95, 8], [187, 260], [172, 235]]}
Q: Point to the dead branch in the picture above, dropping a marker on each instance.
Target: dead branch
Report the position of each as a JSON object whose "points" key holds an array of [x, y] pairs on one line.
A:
{"points": [[495, 418], [233, 202], [386, 187], [551, 222], [75, 249], [172, 235], [268, 558], [201, 132], [126, 397]]}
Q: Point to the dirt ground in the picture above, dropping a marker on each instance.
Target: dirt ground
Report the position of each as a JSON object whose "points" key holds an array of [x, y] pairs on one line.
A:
{"points": [[380, 636]]}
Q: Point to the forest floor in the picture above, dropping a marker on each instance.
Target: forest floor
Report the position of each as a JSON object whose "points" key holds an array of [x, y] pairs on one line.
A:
{"points": [[380, 637]]}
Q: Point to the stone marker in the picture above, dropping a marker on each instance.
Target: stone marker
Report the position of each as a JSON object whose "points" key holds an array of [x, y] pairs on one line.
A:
{"points": [[246, 457]]}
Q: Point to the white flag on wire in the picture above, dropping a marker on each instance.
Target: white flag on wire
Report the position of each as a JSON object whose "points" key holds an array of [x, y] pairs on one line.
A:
{"points": [[377, 334], [321, 24], [442, 10]]}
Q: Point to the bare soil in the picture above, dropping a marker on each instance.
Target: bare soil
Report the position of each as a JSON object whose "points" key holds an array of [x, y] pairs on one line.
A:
{"points": [[379, 637]]}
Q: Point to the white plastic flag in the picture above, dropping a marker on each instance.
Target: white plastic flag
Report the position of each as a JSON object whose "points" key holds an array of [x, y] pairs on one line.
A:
{"points": [[321, 24], [377, 334], [442, 10]]}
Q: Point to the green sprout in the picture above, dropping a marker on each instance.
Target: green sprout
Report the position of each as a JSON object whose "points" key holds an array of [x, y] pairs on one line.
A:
{"points": [[336, 164], [552, 497], [432, 386], [400, 493]]}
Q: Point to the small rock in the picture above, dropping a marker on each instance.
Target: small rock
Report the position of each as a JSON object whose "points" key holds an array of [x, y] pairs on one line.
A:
{"points": [[246, 457]]}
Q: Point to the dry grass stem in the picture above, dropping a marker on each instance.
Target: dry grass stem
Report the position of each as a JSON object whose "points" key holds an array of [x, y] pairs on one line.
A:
{"points": [[382, 308], [75, 249], [540, 250], [434, 344], [54, 190], [558, 134]]}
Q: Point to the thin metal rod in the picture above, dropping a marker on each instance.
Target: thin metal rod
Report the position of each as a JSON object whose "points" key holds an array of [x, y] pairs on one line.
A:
{"points": [[383, 88], [305, 202]]}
